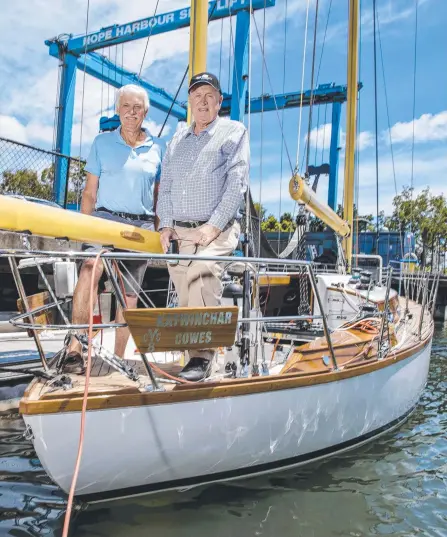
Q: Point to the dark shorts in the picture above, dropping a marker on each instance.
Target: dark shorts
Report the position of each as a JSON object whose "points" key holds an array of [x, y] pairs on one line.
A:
{"points": [[133, 271]]}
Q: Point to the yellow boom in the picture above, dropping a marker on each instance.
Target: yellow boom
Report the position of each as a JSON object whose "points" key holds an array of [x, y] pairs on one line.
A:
{"points": [[45, 221], [300, 191]]}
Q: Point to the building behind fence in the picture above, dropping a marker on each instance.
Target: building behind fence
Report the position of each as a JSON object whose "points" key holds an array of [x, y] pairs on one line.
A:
{"points": [[30, 171]]}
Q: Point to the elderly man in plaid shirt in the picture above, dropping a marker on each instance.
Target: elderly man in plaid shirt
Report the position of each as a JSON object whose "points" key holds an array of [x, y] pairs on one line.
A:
{"points": [[203, 181]]}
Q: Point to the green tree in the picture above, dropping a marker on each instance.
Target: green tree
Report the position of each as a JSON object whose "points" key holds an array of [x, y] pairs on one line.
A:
{"points": [[270, 224], [27, 183], [260, 210], [424, 215], [286, 223]]}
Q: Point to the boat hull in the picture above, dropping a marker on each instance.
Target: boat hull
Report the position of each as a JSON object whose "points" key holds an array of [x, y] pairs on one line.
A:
{"points": [[144, 449]]}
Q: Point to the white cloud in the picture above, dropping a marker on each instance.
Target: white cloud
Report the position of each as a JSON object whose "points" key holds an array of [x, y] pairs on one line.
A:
{"points": [[365, 139], [430, 169], [10, 127], [321, 137], [427, 128]]}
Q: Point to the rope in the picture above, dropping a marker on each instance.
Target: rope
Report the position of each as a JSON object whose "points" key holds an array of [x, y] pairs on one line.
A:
{"points": [[84, 402]]}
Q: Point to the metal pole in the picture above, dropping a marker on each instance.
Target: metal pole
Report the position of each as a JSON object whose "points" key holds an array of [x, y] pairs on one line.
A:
{"points": [[424, 300], [22, 295], [351, 122], [385, 311], [327, 333], [198, 37], [122, 302]]}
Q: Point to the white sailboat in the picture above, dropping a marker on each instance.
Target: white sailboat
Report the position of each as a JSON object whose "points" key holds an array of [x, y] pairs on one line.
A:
{"points": [[146, 432]]}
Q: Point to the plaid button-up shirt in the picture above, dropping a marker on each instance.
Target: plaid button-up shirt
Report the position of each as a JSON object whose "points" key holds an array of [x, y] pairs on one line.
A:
{"points": [[204, 176]]}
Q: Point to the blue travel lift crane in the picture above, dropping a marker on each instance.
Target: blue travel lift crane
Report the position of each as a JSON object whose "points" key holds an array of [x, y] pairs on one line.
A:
{"points": [[78, 52]]}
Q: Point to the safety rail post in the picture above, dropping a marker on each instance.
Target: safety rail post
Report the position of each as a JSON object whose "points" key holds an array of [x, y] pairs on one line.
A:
{"points": [[327, 333], [385, 311], [23, 297], [424, 301], [123, 305]]}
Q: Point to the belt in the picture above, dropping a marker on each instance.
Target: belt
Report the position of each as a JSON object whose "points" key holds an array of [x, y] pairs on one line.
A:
{"points": [[128, 216], [189, 224]]}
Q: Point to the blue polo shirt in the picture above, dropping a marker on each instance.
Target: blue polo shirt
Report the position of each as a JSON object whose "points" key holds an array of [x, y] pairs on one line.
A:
{"points": [[127, 175]]}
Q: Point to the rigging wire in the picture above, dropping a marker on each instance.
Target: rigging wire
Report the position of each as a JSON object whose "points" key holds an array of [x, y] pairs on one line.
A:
{"points": [[102, 82], [324, 40], [148, 37], [248, 222], [230, 55], [282, 121], [108, 85], [233, 48], [309, 127], [181, 84], [376, 124], [273, 96], [116, 62], [389, 125], [58, 87], [317, 134], [414, 109], [221, 43], [324, 132], [82, 101], [122, 63], [300, 115], [262, 132], [357, 153]]}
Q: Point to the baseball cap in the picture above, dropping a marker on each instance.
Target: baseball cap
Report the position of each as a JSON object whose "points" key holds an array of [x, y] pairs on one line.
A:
{"points": [[204, 78]]}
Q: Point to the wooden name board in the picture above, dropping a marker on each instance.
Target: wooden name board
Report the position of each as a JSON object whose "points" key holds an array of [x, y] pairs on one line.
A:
{"points": [[169, 329]]}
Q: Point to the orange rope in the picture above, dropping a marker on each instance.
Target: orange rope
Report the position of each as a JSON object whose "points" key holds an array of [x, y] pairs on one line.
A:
{"points": [[84, 402]]}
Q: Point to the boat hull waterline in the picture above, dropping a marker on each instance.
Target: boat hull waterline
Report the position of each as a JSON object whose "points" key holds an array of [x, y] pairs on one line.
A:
{"points": [[144, 449]]}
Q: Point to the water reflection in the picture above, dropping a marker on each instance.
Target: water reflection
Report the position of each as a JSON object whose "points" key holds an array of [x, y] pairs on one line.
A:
{"points": [[395, 485]]}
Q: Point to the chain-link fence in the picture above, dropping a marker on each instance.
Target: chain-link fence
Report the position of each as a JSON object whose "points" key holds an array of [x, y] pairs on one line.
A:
{"points": [[33, 172]]}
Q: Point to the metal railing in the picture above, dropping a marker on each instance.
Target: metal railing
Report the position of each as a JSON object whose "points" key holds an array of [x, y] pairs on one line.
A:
{"points": [[31, 172], [249, 262]]}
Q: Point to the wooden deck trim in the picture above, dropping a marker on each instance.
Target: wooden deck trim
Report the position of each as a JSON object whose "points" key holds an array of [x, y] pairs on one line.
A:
{"points": [[205, 391]]}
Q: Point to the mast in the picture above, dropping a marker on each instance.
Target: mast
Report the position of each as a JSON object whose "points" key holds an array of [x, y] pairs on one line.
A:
{"points": [[351, 124], [197, 40]]}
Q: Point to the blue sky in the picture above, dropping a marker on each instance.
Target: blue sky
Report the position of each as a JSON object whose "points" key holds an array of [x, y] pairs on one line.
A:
{"points": [[28, 98]]}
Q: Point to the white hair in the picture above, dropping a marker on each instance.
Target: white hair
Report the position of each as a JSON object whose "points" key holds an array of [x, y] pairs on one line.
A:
{"points": [[136, 90]]}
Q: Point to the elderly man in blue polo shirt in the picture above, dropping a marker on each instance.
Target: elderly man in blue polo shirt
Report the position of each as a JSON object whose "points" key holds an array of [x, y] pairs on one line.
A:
{"points": [[203, 181], [123, 173]]}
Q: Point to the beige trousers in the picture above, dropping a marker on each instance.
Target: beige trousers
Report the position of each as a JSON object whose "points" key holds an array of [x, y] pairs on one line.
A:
{"points": [[198, 283]]}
